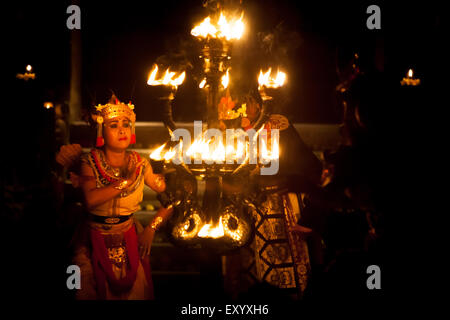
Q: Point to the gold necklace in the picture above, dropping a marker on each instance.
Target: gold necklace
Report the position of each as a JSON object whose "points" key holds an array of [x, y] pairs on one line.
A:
{"points": [[114, 171]]}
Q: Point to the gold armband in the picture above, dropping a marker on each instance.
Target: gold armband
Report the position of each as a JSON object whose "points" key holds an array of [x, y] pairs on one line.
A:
{"points": [[159, 180], [156, 223]]}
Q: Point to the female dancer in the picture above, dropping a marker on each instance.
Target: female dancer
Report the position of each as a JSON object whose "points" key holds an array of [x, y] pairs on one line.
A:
{"points": [[114, 256]]}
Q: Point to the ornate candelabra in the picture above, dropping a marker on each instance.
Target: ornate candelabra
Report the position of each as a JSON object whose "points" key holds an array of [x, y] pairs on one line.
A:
{"points": [[222, 219]]}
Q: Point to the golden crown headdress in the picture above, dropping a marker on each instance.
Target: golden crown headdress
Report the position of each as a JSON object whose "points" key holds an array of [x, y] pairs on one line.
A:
{"points": [[113, 109]]}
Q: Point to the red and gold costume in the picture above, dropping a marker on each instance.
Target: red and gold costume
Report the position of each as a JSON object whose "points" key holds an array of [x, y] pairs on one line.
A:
{"points": [[107, 253]]}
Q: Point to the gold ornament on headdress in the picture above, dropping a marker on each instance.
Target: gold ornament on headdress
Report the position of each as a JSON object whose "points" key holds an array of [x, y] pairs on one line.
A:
{"points": [[113, 109]]}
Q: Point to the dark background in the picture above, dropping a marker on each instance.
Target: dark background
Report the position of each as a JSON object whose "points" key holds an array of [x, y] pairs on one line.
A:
{"points": [[314, 43], [121, 41]]}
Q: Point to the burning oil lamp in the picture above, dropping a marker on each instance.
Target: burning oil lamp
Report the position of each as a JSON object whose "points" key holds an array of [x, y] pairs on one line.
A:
{"points": [[409, 80], [48, 105], [27, 75], [167, 79], [265, 79], [221, 218], [170, 84]]}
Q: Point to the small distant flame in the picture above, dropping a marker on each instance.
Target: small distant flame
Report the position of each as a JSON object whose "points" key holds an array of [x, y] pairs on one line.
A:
{"points": [[409, 80], [48, 105], [265, 79], [225, 79], [29, 68], [167, 79], [229, 30], [202, 84]]}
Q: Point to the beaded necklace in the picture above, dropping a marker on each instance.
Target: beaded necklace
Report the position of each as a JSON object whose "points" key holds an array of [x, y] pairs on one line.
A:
{"points": [[107, 174]]}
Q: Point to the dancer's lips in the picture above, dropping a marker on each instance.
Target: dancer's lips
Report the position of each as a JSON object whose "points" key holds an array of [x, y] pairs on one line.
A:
{"points": [[123, 138]]}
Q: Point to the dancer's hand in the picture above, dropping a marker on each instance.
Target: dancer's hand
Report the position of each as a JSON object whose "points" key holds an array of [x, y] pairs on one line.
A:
{"points": [[68, 155], [145, 241], [131, 171]]}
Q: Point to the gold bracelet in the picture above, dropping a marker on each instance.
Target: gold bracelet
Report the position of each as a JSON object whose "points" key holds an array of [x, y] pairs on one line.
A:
{"points": [[159, 181], [156, 223], [122, 185]]}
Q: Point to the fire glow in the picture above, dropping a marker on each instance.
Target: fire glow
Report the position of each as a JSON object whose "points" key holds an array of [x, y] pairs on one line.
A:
{"points": [[202, 84], [409, 80], [231, 29], [225, 79], [214, 150], [410, 73], [229, 226], [210, 231], [167, 80], [266, 80]]}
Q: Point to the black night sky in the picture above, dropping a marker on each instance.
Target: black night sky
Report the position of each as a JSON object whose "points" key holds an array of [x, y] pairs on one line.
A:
{"points": [[121, 41]]}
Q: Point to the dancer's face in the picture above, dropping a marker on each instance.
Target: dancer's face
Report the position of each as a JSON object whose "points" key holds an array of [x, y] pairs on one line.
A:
{"points": [[117, 132]]}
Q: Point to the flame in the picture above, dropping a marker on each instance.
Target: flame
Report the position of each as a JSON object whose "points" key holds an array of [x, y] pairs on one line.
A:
{"points": [[225, 79], [204, 29], [216, 151], [48, 105], [222, 229], [209, 231], [199, 149], [229, 150], [264, 151], [266, 155], [152, 76], [202, 84], [264, 79], [29, 68], [275, 150], [240, 150], [156, 154], [233, 29], [167, 79], [410, 73], [169, 154]]}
